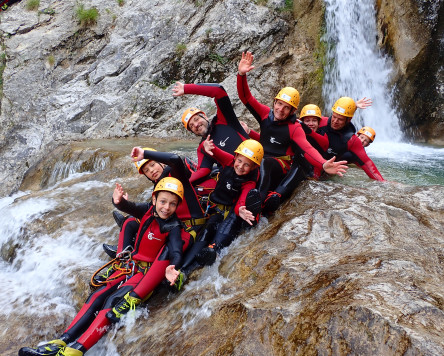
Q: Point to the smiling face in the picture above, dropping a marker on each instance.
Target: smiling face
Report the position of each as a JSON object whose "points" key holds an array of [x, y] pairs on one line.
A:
{"points": [[364, 140], [243, 165], [198, 124], [282, 110], [312, 122], [338, 121], [152, 170], [166, 204]]}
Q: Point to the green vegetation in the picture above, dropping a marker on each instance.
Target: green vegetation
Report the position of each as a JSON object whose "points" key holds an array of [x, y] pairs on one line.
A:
{"points": [[181, 49], [288, 7], [218, 58], [2, 69], [86, 17], [261, 2], [121, 2], [48, 11], [320, 56], [51, 60], [32, 5]]}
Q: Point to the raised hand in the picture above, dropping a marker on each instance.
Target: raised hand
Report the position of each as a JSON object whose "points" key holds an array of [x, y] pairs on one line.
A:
{"points": [[118, 194], [208, 145], [364, 103], [245, 64], [178, 89], [137, 154]]}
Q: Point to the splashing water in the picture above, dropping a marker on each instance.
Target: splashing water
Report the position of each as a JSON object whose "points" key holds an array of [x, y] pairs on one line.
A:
{"points": [[356, 67]]}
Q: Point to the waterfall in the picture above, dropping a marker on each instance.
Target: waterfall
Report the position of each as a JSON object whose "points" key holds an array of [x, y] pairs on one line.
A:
{"points": [[356, 67]]}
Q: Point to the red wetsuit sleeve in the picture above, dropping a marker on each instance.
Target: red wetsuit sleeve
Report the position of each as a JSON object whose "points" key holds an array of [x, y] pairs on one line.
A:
{"points": [[310, 153], [199, 174], [225, 112], [323, 121], [259, 111], [224, 158], [254, 135], [204, 165], [364, 162], [246, 187], [322, 140]]}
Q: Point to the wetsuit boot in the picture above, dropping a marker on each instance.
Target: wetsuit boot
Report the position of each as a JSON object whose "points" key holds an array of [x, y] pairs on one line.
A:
{"points": [[111, 250], [119, 218], [51, 348]]}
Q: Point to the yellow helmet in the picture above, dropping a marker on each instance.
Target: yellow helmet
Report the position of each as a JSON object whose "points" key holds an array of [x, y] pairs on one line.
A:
{"points": [[188, 113], [369, 132], [344, 106], [252, 150], [170, 184], [310, 110], [141, 163], [290, 96]]}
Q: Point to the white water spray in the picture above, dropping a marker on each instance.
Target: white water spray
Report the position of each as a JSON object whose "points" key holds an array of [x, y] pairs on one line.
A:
{"points": [[357, 68]]}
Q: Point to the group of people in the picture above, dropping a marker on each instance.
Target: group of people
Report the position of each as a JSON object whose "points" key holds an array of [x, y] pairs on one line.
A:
{"points": [[197, 209]]}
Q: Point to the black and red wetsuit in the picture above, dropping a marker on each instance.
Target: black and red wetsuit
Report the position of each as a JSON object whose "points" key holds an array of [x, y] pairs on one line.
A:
{"points": [[189, 211], [159, 243], [345, 145], [225, 129], [229, 195], [284, 142]]}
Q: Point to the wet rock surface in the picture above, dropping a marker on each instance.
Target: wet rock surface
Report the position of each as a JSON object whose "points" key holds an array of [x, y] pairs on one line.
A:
{"points": [[341, 269]]}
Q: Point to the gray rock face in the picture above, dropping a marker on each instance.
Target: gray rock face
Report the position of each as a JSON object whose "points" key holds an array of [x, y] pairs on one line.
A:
{"points": [[64, 82]]}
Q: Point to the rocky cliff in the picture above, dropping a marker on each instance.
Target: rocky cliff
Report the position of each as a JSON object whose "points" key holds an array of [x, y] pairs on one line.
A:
{"points": [[64, 81]]}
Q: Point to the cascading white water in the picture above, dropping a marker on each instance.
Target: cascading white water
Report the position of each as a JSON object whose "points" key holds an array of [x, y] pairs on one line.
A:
{"points": [[356, 67]]}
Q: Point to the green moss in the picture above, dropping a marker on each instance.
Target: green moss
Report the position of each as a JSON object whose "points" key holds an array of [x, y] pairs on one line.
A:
{"points": [[86, 17], [181, 48], [51, 60], [32, 5], [288, 7], [2, 69], [120, 2], [218, 58], [320, 55]]}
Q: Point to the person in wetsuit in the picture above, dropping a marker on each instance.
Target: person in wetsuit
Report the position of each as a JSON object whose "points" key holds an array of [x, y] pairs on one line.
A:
{"points": [[287, 151], [232, 202], [342, 141], [157, 254], [367, 135], [225, 129], [155, 166]]}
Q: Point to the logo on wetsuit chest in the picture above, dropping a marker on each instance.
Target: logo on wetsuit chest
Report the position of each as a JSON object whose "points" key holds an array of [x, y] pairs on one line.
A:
{"points": [[273, 140], [152, 237], [331, 151], [222, 143]]}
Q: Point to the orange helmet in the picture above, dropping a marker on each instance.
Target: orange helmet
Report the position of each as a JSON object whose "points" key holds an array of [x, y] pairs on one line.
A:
{"points": [[369, 132], [170, 184], [290, 96], [141, 163], [345, 106], [251, 149], [310, 110], [188, 114]]}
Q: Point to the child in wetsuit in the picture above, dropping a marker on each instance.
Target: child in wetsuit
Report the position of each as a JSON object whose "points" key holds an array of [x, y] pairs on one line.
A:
{"points": [[233, 201], [157, 254]]}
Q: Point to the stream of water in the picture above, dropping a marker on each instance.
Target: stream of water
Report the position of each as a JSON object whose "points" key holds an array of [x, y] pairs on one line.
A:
{"points": [[51, 237]]}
